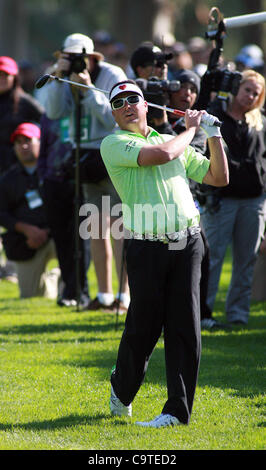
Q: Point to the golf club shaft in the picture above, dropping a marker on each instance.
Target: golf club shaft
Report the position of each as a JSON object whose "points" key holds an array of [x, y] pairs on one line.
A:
{"points": [[43, 80], [180, 113]]}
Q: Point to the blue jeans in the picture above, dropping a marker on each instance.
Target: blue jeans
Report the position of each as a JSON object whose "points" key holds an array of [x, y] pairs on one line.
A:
{"points": [[239, 223]]}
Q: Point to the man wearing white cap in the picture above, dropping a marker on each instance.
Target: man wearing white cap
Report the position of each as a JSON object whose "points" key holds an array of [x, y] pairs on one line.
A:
{"points": [[82, 64], [150, 172]]}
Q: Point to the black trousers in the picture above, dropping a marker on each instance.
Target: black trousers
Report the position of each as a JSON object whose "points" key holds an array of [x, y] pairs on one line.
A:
{"points": [[205, 311], [59, 203], [164, 290]]}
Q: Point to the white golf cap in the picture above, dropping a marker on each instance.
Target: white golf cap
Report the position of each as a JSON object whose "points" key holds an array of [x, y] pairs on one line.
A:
{"points": [[122, 87], [77, 43]]}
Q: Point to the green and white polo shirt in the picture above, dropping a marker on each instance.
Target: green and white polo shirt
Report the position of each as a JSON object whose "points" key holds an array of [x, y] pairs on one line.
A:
{"points": [[155, 199]]}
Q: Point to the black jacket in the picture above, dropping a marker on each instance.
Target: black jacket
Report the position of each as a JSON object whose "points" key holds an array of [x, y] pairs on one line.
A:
{"points": [[15, 187], [246, 153], [29, 110]]}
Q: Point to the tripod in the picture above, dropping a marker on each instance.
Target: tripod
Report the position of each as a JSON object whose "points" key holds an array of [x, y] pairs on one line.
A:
{"points": [[77, 196]]}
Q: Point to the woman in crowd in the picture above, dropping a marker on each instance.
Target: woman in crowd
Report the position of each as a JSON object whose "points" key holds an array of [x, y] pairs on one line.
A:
{"points": [[16, 107], [237, 214]]}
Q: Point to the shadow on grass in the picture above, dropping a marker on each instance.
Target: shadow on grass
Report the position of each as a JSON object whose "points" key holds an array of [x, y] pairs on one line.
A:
{"points": [[86, 324], [60, 423], [230, 360]]}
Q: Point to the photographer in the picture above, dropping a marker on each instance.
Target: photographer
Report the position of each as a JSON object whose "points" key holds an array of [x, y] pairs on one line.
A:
{"points": [[237, 218], [183, 99], [150, 67], [82, 64]]}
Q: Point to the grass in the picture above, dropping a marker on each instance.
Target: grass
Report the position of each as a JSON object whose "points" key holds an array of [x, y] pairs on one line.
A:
{"points": [[54, 382]]}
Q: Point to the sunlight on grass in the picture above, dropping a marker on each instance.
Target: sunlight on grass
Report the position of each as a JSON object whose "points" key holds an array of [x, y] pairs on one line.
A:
{"points": [[54, 381]]}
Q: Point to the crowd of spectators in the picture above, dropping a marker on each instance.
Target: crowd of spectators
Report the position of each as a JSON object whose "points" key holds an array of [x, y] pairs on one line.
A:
{"points": [[50, 126]]}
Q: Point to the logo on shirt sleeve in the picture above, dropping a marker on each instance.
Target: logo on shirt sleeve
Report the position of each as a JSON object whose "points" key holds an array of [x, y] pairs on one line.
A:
{"points": [[130, 145]]}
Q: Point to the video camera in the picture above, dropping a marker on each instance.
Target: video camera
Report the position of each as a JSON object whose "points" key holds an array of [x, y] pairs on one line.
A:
{"points": [[222, 81], [157, 91], [216, 79]]}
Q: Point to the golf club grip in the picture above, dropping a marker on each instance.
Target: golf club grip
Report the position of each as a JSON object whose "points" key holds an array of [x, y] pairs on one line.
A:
{"points": [[178, 112], [216, 123]]}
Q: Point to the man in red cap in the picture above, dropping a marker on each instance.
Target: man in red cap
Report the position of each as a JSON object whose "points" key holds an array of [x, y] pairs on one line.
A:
{"points": [[16, 107], [27, 241]]}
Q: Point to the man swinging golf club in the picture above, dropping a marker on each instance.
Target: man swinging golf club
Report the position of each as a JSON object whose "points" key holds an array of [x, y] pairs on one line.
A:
{"points": [[163, 255]]}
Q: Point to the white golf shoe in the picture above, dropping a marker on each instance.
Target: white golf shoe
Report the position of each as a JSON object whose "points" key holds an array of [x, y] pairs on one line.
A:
{"points": [[116, 406], [160, 421]]}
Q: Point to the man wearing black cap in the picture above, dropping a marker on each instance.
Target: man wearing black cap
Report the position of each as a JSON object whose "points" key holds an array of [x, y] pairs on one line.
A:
{"points": [[150, 63]]}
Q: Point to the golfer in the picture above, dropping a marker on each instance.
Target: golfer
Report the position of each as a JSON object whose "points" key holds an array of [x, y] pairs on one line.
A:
{"points": [[151, 170]]}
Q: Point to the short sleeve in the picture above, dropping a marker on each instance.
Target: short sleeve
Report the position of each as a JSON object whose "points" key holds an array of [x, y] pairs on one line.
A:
{"points": [[197, 165]]}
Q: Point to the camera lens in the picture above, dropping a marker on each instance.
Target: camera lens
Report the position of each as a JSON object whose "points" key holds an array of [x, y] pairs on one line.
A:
{"points": [[78, 65]]}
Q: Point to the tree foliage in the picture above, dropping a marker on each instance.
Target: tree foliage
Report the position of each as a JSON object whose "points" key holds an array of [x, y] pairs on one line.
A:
{"points": [[35, 28]]}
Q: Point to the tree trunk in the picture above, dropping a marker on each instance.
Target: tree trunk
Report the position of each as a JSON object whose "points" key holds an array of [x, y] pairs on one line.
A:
{"points": [[13, 29], [138, 20]]}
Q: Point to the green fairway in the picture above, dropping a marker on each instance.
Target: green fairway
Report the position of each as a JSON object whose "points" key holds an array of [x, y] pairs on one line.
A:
{"points": [[55, 369]]}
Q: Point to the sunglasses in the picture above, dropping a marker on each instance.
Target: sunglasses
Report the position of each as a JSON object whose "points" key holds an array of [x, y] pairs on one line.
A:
{"points": [[120, 102]]}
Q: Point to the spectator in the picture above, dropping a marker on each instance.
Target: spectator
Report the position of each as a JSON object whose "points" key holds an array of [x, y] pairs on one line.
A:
{"points": [[97, 121], [250, 57], [16, 106], [258, 291], [58, 193], [199, 50], [234, 215], [27, 76], [27, 241], [150, 63], [113, 51], [181, 59], [183, 99]]}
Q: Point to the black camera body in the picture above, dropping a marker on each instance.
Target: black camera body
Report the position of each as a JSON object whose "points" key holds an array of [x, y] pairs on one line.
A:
{"points": [[77, 62], [155, 85], [224, 81], [157, 91]]}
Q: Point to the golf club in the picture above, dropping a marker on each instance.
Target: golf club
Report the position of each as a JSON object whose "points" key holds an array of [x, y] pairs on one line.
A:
{"points": [[44, 79]]}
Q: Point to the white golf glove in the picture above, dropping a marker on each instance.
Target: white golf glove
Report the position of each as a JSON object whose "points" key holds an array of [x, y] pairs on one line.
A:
{"points": [[207, 125]]}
